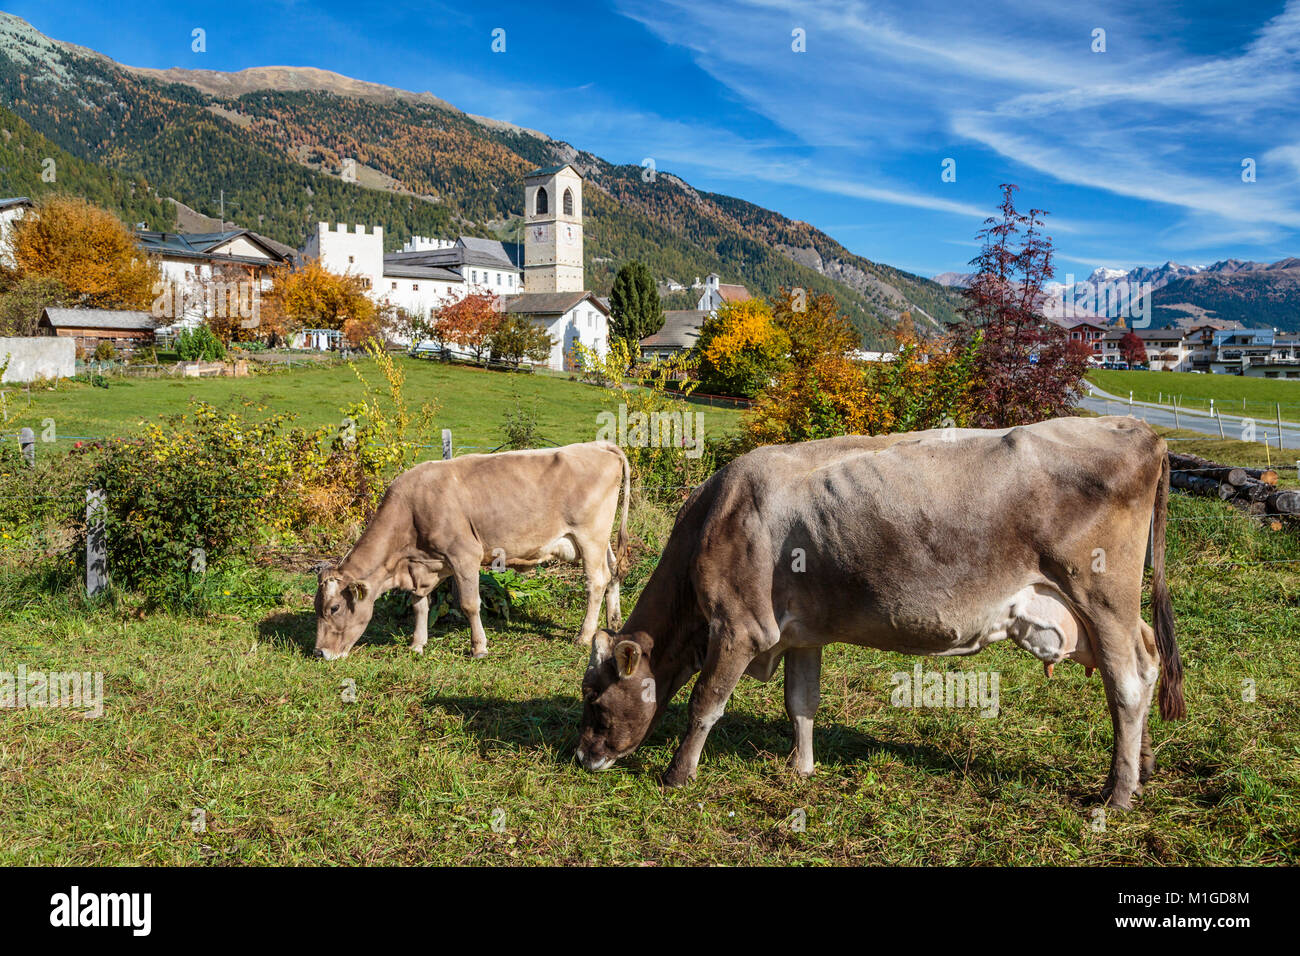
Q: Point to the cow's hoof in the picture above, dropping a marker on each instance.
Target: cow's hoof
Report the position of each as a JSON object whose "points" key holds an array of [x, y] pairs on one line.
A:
{"points": [[676, 777], [581, 641], [1116, 801], [800, 769], [417, 650], [478, 655]]}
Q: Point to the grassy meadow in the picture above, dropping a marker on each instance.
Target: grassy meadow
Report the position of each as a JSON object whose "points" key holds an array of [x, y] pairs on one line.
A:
{"points": [[471, 402], [1234, 394], [223, 742]]}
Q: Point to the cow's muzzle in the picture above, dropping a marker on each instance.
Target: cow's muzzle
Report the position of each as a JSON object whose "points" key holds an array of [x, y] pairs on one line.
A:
{"points": [[328, 655], [595, 763]]}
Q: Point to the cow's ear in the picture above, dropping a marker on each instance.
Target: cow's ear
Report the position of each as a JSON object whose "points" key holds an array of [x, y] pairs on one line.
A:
{"points": [[627, 654], [359, 590]]}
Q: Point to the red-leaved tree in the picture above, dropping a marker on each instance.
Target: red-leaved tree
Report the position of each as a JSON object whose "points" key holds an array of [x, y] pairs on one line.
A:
{"points": [[1133, 349], [467, 323], [1025, 370]]}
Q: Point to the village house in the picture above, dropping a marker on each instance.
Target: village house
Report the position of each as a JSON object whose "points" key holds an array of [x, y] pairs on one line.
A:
{"points": [[124, 330], [717, 292], [679, 333], [194, 263], [1167, 349], [11, 210], [1090, 335]]}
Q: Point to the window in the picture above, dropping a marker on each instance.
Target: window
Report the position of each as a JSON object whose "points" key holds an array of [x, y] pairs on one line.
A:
{"points": [[510, 280], [394, 285], [498, 278], [543, 204], [474, 276], [568, 203], [351, 259], [415, 287]]}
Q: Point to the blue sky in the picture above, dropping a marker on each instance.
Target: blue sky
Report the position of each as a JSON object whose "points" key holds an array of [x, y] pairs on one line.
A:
{"points": [[1136, 151]]}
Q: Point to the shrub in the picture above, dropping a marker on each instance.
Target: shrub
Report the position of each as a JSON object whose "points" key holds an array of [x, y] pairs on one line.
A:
{"points": [[199, 345], [193, 492]]}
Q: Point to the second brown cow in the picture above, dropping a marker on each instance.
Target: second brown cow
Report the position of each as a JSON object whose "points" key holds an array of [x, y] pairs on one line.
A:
{"points": [[445, 519]]}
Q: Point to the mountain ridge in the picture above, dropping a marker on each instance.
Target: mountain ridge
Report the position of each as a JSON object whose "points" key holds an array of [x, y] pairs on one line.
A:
{"points": [[279, 157]]}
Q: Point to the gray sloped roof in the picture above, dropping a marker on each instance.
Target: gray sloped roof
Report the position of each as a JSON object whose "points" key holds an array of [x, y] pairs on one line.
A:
{"points": [[511, 252], [547, 303], [457, 257], [681, 329], [15, 201], [200, 245], [125, 320], [401, 270]]}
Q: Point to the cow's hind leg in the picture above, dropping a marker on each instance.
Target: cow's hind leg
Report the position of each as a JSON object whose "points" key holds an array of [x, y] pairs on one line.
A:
{"points": [[421, 605], [730, 652], [1128, 672], [803, 675], [598, 578], [613, 609], [1147, 765]]}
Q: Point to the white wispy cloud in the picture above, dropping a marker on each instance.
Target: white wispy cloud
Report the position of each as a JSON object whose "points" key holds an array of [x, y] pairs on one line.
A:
{"points": [[1159, 118]]}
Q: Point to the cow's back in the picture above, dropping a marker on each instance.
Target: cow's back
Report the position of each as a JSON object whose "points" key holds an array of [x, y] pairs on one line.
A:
{"points": [[516, 501], [920, 531]]}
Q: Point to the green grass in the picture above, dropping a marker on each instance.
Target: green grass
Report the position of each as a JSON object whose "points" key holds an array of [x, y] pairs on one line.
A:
{"points": [[1194, 391], [227, 713], [472, 402]]}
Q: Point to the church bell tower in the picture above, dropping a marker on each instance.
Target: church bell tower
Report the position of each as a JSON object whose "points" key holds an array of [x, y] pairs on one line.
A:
{"points": [[553, 230]]}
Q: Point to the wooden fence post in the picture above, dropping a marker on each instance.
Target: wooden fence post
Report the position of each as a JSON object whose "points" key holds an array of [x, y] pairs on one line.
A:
{"points": [[96, 543], [446, 444], [27, 442], [1278, 406]]}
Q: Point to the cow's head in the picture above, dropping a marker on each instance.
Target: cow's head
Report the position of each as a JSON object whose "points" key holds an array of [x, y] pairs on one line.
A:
{"points": [[343, 609], [619, 698]]}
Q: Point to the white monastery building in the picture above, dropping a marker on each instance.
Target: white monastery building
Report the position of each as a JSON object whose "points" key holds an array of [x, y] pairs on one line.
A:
{"points": [[544, 280]]}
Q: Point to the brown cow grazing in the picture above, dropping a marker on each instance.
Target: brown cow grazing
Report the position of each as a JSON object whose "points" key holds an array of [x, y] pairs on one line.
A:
{"points": [[446, 519], [933, 543]]}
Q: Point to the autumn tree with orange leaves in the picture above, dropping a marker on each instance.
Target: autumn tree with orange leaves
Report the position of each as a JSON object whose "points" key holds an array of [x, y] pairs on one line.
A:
{"points": [[467, 323], [87, 251], [824, 390], [316, 298]]}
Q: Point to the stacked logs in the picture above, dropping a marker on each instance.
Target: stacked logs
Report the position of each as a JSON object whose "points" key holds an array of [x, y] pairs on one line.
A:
{"points": [[1253, 490]]}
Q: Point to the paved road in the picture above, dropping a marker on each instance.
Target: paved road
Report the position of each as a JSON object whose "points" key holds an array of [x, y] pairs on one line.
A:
{"points": [[1104, 403]]}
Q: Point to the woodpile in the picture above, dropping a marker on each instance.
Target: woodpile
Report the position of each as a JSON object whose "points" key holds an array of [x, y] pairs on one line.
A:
{"points": [[1253, 490]]}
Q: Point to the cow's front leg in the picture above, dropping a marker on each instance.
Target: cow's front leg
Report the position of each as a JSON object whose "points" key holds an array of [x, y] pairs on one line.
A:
{"points": [[467, 592], [803, 693], [421, 605], [718, 678]]}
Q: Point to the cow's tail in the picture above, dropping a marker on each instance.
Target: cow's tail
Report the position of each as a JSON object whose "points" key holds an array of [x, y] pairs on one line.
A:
{"points": [[622, 554], [1172, 705]]}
